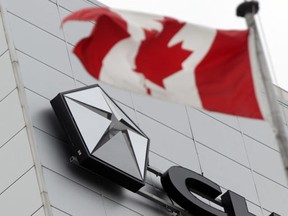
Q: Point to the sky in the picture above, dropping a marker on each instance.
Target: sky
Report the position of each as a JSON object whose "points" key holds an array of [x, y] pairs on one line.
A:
{"points": [[272, 21]]}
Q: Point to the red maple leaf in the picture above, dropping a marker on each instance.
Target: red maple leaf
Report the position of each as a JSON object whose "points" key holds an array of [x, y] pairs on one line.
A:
{"points": [[155, 59]]}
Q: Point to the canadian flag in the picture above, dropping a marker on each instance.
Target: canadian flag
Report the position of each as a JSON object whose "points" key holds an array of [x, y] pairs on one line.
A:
{"points": [[160, 56]]}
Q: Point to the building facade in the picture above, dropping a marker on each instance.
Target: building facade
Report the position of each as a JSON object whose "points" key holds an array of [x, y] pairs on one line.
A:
{"points": [[37, 178]]}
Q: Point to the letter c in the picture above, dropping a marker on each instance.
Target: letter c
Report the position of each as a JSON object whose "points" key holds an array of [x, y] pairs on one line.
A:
{"points": [[178, 182]]}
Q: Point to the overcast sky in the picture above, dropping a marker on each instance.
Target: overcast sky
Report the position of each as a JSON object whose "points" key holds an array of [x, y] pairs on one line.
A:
{"points": [[221, 14]]}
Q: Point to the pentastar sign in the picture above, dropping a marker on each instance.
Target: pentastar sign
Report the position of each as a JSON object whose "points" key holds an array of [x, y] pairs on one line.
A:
{"points": [[106, 141]]}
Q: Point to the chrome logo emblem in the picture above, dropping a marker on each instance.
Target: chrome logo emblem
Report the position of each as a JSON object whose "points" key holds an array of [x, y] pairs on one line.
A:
{"points": [[104, 139]]}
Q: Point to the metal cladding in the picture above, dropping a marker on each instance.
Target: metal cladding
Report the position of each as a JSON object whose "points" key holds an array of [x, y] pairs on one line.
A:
{"points": [[103, 138]]}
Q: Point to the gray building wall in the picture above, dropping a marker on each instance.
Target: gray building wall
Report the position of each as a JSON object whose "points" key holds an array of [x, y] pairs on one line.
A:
{"points": [[238, 154], [18, 179]]}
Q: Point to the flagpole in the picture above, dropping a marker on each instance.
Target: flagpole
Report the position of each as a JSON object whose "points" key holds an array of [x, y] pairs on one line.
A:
{"points": [[248, 9]]}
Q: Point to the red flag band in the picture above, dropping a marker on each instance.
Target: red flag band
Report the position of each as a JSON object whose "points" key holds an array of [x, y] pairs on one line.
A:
{"points": [[172, 60]]}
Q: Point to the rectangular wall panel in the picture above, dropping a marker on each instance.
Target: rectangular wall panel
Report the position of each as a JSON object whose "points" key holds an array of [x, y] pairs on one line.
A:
{"points": [[272, 195], [175, 115], [39, 212], [266, 161], [227, 173], [169, 143], [46, 77], [43, 14], [259, 130], [15, 159], [23, 197], [11, 117], [39, 44], [218, 136]]}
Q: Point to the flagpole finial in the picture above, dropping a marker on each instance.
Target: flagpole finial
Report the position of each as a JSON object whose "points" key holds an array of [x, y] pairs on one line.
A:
{"points": [[247, 7]]}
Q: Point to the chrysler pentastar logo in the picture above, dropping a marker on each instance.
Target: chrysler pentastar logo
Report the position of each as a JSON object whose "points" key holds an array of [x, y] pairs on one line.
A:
{"points": [[104, 139]]}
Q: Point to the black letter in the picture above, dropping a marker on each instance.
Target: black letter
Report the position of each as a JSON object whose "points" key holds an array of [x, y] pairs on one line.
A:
{"points": [[178, 181], [235, 205], [274, 214]]}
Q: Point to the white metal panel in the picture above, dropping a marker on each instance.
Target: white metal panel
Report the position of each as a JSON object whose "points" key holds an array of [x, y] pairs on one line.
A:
{"points": [[170, 114], [230, 120], [161, 163], [254, 209], [96, 2], [39, 44], [23, 197], [72, 197], [218, 136], [40, 212], [266, 161], [7, 80], [80, 84], [53, 152], [227, 173], [73, 5], [42, 13], [57, 212], [273, 196], [133, 201], [3, 43], [170, 144], [259, 130], [113, 208], [15, 159], [40, 78], [11, 117]]}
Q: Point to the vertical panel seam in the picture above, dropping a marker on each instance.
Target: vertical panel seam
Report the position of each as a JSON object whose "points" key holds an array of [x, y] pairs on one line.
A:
{"points": [[250, 166]]}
